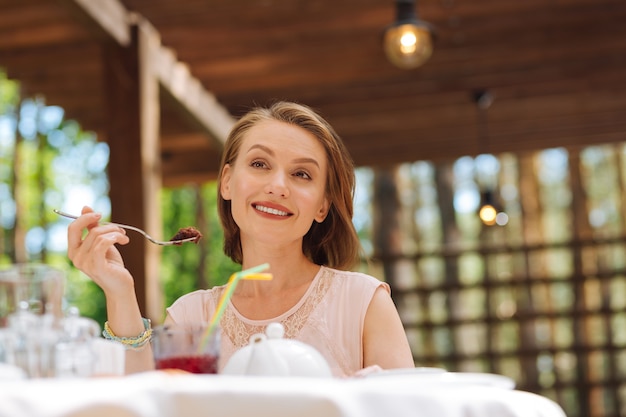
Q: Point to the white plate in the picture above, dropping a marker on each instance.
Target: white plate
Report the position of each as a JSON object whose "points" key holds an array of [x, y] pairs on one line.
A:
{"points": [[408, 371], [440, 376], [478, 378], [11, 373]]}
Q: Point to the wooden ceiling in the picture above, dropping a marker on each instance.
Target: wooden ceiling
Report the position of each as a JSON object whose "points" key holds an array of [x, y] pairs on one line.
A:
{"points": [[556, 69]]}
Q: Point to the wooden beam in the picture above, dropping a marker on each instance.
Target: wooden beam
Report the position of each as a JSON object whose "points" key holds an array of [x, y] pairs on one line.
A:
{"points": [[200, 104], [134, 165], [149, 44], [107, 18], [112, 20]]}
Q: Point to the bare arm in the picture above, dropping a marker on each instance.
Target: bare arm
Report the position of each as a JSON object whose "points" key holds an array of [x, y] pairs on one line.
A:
{"points": [[95, 254], [384, 340]]}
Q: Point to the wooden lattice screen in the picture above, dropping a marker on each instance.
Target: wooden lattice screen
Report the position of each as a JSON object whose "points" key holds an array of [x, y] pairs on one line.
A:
{"points": [[541, 300]]}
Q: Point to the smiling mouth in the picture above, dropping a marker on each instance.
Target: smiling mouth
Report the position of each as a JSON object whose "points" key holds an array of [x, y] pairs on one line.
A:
{"points": [[273, 211]]}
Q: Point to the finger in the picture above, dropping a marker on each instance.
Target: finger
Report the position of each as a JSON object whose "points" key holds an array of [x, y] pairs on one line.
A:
{"points": [[92, 253], [75, 228], [103, 245], [104, 256], [105, 232], [89, 210]]}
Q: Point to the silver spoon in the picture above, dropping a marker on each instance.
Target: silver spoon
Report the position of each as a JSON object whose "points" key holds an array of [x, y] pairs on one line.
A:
{"points": [[136, 229]]}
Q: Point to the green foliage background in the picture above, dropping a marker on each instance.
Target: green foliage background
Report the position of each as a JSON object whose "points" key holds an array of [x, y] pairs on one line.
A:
{"points": [[49, 162], [190, 267]]}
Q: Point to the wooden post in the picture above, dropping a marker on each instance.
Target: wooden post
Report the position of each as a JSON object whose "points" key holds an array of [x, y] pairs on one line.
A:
{"points": [[132, 94], [387, 228]]}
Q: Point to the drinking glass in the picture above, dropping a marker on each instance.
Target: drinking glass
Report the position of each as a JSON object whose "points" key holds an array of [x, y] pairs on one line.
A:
{"points": [[39, 287], [75, 355], [186, 348], [29, 341]]}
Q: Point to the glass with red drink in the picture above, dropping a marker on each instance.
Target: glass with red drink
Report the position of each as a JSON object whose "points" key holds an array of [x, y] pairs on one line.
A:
{"points": [[186, 348]]}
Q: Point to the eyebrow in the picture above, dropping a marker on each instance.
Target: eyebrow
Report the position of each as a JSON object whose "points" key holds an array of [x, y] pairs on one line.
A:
{"points": [[271, 152]]}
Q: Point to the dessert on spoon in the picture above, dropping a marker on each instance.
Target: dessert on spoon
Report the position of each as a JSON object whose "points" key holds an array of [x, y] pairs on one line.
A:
{"points": [[185, 234]]}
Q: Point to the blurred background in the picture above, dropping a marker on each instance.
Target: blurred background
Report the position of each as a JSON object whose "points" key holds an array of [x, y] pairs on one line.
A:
{"points": [[490, 175]]}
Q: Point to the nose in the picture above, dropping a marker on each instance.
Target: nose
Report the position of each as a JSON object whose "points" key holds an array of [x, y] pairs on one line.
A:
{"points": [[277, 185]]}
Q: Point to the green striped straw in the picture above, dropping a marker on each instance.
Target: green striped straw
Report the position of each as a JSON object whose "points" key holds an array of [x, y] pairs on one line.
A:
{"points": [[253, 273]]}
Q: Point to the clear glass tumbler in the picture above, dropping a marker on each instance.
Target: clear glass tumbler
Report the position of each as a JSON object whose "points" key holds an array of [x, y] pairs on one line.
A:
{"points": [[38, 286], [186, 348]]}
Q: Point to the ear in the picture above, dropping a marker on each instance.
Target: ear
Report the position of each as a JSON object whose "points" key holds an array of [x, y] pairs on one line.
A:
{"points": [[323, 211], [225, 183]]}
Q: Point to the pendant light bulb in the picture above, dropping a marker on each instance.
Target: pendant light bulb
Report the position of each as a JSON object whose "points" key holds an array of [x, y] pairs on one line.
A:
{"points": [[408, 42]]}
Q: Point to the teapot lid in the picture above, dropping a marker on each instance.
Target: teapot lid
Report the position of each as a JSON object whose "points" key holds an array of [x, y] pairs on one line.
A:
{"points": [[275, 331]]}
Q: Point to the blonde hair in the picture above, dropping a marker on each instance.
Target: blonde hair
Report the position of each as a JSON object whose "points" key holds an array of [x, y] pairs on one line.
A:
{"points": [[333, 242]]}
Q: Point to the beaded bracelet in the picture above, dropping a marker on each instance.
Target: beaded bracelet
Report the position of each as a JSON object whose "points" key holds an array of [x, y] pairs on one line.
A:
{"points": [[130, 342]]}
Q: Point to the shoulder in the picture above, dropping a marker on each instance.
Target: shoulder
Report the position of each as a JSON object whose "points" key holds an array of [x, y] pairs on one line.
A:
{"points": [[355, 280], [194, 306], [196, 296]]}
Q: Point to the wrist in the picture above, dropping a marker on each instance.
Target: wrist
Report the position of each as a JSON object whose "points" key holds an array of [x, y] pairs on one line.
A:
{"points": [[134, 342]]}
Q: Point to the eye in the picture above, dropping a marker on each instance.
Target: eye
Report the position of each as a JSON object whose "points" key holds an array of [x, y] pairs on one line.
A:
{"points": [[302, 174], [258, 164]]}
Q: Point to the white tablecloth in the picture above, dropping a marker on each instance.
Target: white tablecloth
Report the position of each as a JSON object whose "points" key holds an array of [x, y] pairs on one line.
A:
{"points": [[160, 394]]}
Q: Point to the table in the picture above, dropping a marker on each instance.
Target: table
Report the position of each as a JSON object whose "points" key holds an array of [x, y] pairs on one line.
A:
{"points": [[166, 394]]}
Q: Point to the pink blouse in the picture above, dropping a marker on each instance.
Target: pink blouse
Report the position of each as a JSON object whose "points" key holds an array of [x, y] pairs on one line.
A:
{"points": [[329, 317]]}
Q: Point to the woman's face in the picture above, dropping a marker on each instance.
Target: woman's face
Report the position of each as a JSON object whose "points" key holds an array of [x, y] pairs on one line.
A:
{"points": [[277, 183]]}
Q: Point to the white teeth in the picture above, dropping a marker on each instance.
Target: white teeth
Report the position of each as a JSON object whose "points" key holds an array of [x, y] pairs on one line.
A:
{"points": [[271, 211]]}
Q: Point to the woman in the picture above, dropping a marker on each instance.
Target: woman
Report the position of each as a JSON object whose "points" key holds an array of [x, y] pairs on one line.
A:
{"points": [[286, 185]]}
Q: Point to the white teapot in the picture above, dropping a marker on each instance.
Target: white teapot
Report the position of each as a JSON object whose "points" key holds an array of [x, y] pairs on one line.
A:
{"points": [[270, 354]]}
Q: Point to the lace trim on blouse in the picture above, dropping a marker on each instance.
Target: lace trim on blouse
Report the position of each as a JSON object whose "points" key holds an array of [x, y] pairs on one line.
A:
{"points": [[239, 332]]}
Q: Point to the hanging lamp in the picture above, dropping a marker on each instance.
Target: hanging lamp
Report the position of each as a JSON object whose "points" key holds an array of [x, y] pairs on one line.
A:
{"points": [[408, 42]]}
